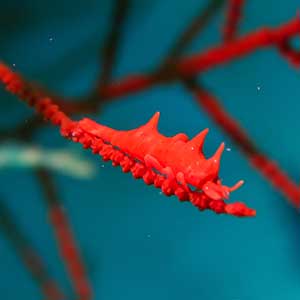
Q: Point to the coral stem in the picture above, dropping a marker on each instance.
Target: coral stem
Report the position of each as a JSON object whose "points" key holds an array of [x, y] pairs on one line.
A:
{"points": [[213, 57], [28, 255], [233, 17], [66, 243]]}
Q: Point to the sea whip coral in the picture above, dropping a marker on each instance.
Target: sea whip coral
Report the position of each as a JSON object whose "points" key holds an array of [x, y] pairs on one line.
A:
{"points": [[171, 164]]}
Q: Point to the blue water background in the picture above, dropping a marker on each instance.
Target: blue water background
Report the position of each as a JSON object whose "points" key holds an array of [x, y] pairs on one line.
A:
{"points": [[137, 243]]}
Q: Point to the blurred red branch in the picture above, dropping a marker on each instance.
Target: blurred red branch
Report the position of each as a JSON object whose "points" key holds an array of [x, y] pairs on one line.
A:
{"points": [[28, 255], [233, 17], [213, 57], [64, 236]]}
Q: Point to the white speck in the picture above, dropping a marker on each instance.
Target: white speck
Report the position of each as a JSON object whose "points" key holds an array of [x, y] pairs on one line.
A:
{"points": [[102, 166], [228, 149], [160, 192], [14, 65], [50, 39], [192, 148], [258, 88]]}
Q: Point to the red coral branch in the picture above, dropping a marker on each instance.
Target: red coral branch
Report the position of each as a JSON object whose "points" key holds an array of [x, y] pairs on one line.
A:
{"points": [[233, 17], [69, 252], [64, 237], [290, 53], [268, 168], [28, 255], [17, 86], [111, 44], [158, 165], [266, 37], [197, 25]]}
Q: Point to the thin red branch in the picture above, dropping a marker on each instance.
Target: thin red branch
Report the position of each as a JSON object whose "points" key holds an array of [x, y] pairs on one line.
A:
{"points": [[193, 29], [64, 237], [111, 44], [265, 37], [28, 255], [213, 57], [166, 69], [233, 18], [69, 252], [291, 53]]}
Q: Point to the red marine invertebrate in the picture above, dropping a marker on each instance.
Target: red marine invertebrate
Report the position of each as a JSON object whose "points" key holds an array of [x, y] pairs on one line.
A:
{"points": [[177, 161], [174, 164]]}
